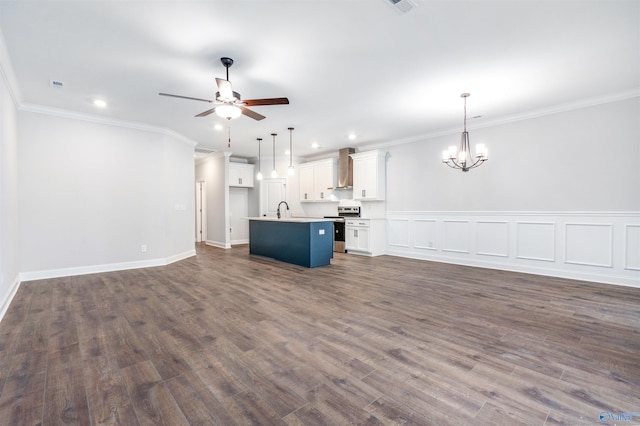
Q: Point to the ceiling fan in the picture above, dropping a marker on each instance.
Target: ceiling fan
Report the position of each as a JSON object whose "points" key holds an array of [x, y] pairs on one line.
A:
{"points": [[231, 104]]}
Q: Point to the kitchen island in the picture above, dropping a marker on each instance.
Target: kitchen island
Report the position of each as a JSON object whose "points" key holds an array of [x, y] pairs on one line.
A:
{"points": [[301, 241]]}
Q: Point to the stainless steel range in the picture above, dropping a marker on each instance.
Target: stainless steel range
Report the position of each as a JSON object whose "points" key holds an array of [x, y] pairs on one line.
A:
{"points": [[338, 226]]}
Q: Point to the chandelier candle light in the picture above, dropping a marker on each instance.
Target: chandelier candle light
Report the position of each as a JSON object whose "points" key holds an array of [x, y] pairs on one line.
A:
{"points": [[462, 159], [274, 173], [291, 170], [259, 175]]}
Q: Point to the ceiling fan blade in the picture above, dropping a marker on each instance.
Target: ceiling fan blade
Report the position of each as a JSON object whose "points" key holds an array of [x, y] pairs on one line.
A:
{"points": [[185, 97], [224, 87], [268, 101], [252, 114], [205, 113]]}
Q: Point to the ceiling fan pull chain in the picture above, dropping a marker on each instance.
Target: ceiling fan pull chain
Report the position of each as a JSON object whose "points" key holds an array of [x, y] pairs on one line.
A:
{"points": [[229, 142]]}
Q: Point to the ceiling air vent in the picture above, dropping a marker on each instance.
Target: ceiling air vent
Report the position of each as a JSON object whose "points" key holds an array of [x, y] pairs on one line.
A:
{"points": [[203, 150], [200, 153], [402, 6]]}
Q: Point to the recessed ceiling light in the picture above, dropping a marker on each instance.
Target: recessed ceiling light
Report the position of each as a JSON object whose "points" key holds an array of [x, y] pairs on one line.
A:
{"points": [[315, 145], [352, 136], [100, 103], [287, 152], [218, 127]]}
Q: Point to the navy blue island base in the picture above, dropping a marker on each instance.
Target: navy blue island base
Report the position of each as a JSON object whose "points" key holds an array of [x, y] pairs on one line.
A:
{"points": [[304, 242]]}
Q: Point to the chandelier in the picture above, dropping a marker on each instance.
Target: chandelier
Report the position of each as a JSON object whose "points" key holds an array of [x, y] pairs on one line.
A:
{"points": [[462, 158]]}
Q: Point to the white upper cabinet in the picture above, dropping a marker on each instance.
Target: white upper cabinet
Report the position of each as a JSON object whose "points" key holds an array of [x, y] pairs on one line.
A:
{"points": [[317, 180], [241, 175], [324, 179], [369, 175], [305, 172]]}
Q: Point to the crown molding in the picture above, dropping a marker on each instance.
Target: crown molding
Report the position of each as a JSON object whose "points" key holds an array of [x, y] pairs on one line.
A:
{"points": [[7, 74], [556, 109], [93, 118]]}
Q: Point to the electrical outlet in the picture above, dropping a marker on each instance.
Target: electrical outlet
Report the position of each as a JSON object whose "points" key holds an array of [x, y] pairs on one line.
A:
{"points": [[143, 248], [321, 232]]}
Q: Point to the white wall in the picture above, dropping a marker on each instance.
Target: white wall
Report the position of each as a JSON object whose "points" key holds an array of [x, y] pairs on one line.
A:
{"points": [[9, 237], [178, 198], [214, 171], [581, 160], [92, 193], [559, 196], [238, 212]]}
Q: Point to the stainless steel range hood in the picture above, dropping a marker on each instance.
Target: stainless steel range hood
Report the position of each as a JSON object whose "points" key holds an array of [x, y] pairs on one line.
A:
{"points": [[345, 168]]}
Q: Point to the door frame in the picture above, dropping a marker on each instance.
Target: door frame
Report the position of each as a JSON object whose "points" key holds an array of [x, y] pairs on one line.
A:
{"points": [[201, 212]]}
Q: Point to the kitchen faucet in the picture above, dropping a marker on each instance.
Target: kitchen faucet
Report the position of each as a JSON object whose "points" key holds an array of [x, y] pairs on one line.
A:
{"points": [[279, 204]]}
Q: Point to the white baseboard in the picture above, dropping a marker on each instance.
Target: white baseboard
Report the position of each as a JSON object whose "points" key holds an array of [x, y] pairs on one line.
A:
{"points": [[180, 256], [549, 272], [111, 267], [7, 301], [218, 244]]}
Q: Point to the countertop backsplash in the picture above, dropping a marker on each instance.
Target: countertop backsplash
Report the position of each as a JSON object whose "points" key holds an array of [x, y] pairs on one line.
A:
{"points": [[369, 209]]}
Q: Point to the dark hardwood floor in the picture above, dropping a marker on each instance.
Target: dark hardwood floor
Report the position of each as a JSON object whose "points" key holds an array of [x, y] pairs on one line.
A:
{"points": [[228, 338]]}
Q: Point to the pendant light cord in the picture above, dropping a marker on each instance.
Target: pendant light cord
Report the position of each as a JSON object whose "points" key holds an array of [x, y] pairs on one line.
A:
{"points": [[259, 155], [465, 96], [274, 149], [290, 147]]}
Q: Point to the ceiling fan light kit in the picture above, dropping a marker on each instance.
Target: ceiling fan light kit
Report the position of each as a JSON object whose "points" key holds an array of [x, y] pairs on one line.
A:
{"points": [[462, 158], [228, 111]]}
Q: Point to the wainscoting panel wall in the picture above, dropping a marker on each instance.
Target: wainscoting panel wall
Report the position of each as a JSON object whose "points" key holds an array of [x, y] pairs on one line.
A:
{"points": [[455, 235], [536, 241], [632, 248], [492, 238], [591, 246], [424, 232]]}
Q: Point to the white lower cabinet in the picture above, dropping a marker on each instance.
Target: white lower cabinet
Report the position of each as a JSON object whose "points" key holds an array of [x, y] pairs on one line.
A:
{"points": [[365, 236]]}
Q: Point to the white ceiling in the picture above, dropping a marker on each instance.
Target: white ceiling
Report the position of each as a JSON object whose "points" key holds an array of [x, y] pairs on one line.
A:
{"points": [[347, 66]]}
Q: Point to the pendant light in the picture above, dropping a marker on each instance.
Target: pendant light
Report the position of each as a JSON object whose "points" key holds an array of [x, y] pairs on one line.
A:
{"points": [[274, 173], [463, 158], [259, 175], [291, 171]]}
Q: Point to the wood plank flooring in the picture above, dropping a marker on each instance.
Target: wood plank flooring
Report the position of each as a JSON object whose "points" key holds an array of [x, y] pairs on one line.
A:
{"points": [[232, 339]]}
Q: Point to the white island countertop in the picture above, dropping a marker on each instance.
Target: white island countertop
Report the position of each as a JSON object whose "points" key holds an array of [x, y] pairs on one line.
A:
{"points": [[290, 219]]}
